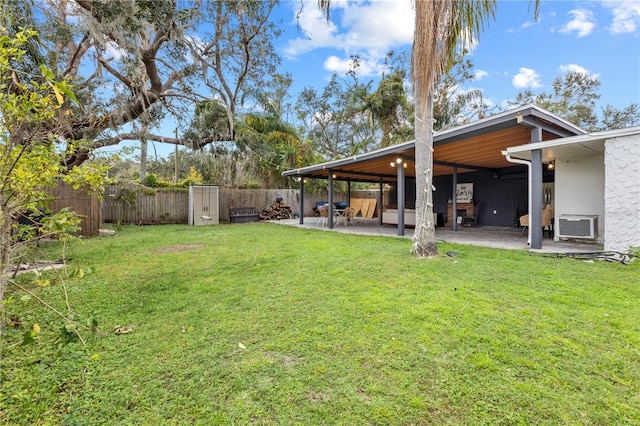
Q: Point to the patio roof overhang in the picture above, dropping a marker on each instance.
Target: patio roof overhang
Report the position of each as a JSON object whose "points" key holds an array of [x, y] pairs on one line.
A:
{"points": [[470, 147], [571, 149]]}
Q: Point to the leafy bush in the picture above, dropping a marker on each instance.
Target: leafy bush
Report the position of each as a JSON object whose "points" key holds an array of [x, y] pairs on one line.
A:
{"points": [[152, 181], [194, 177]]}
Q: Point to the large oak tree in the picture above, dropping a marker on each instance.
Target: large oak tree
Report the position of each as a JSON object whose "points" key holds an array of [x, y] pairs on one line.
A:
{"points": [[128, 60]]}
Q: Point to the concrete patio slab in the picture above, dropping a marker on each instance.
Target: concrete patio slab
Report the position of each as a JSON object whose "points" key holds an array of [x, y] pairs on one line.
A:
{"points": [[484, 236]]}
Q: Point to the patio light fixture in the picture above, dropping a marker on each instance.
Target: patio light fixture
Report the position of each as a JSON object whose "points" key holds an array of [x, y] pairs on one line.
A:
{"points": [[398, 161], [551, 165]]}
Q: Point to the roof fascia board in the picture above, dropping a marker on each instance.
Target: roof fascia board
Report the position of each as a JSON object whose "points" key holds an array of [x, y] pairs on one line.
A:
{"points": [[617, 133], [538, 112], [388, 151], [529, 122], [526, 149], [591, 137], [356, 173]]}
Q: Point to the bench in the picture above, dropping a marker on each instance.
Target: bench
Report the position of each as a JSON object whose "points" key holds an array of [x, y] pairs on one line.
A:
{"points": [[243, 215]]}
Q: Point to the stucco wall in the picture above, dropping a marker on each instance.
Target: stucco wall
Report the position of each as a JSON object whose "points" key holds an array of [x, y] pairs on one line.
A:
{"points": [[580, 189], [622, 196]]}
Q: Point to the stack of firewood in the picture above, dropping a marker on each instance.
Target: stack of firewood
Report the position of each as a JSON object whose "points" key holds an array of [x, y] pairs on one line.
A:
{"points": [[276, 211]]}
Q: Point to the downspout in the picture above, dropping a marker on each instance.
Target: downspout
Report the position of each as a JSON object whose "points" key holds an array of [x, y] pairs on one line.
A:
{"points": [[528, 164]]}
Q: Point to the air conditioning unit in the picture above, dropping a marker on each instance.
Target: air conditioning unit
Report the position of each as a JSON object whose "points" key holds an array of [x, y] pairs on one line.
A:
{"points": [[578, 226]]}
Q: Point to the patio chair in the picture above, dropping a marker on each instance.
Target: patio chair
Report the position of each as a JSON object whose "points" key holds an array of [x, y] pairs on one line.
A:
{"points": [[346, 215], [524, 222], [324, 215], [547, 221]]}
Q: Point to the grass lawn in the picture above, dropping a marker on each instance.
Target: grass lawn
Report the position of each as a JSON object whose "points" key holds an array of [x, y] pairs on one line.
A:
{"points": [[266, 324]]}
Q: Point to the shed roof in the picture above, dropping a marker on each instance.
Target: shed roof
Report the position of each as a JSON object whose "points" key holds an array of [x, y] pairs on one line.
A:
{"points": [[469, 147]]}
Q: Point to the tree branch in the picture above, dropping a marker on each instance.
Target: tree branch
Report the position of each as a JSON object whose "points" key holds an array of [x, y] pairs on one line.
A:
{"points": [[80, 50], [48, 306], [135, 136], [116, 73]]}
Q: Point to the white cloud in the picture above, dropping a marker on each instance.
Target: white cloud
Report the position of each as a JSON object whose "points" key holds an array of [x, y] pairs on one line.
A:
{"points": [[366, 29], [114, 51], [626, 15], [480, 74], [468, 44], [525, 25], [335, 64], [319, 32], [196, 43], [526, 78], [378, 25], [582, 23], [368, 65], [577, 68]]}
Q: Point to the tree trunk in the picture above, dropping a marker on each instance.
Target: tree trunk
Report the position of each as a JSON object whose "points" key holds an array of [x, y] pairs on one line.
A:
{"points": [[424, 237], [5, 254], [143, 160], [143, 149]]}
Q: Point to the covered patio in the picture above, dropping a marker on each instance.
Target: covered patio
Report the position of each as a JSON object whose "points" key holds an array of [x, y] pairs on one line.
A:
{"points": [[470, 154]]}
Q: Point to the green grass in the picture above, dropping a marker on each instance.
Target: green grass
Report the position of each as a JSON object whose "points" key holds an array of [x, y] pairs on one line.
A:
{"points": [[266, 324]]}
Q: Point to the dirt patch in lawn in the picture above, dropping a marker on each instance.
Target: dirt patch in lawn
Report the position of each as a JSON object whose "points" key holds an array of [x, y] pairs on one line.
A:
{"points": [[179, 248]]}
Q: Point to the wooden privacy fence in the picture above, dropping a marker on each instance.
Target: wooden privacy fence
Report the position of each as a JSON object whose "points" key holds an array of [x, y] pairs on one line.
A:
{"points": [[136, 204], [80, 201]]}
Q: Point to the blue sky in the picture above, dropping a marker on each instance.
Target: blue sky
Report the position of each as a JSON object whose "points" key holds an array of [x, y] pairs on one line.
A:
{"points": [[599, 37]]}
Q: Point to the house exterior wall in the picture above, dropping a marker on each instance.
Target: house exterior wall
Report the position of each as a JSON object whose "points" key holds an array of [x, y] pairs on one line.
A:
{"points": [[505, 195], [622, 195], [500, 199], [579, 189]]}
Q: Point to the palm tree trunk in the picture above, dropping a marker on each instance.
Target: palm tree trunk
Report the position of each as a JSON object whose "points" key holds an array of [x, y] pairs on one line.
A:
{"points": [[424, 237]]}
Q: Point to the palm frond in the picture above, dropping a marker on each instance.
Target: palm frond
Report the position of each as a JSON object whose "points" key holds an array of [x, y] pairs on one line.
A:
{"points": [[441, 28]]}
